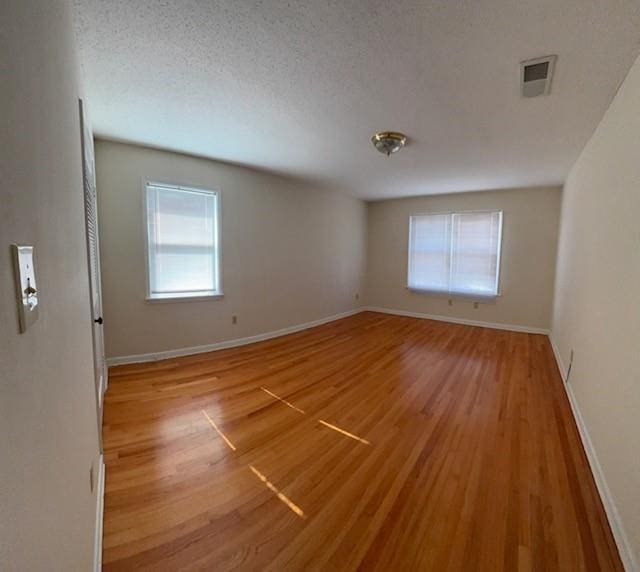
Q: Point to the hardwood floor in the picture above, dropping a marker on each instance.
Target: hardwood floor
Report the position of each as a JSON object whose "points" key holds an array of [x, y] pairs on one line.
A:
{"points": [[375, 442]]}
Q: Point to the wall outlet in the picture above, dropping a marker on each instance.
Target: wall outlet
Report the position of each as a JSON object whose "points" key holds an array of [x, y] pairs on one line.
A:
{"points": [[234, 319]]}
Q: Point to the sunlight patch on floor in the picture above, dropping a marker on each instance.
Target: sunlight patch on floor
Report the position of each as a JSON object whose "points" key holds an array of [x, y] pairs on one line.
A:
{"points": [[282, 400], [335, 428], [292, 506], [224, 437]]}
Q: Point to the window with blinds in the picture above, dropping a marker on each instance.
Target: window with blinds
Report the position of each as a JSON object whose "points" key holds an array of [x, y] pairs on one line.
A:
{"points": [[182, 242], [455, 253]]}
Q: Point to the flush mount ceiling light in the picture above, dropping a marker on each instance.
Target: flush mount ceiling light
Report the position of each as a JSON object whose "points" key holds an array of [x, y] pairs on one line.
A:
{"points": [[388, 142]]}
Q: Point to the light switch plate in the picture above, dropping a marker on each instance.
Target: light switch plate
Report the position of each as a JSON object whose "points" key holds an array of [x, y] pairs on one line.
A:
{"points": [[26, 289]]}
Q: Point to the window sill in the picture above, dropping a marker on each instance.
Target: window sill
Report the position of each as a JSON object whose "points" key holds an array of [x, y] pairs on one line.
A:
{"points": [[457, 295], [183, 298]]}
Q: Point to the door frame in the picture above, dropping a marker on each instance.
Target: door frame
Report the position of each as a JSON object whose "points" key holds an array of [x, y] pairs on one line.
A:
{"points": [[88, 178]]}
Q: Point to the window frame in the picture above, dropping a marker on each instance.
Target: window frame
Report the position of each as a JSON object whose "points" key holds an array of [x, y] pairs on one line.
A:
{"points": [[450, 293], [217, 255]]}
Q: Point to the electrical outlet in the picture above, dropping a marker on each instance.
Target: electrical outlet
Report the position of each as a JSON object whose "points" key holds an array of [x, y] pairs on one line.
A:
{"points": [[92, 481], [234, 319]]}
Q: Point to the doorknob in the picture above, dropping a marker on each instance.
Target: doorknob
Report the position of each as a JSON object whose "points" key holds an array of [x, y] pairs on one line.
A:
{"points": [[98, 320]]}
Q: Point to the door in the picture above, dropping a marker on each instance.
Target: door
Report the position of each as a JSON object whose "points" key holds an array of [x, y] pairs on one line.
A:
{"points": [[93, 257]]}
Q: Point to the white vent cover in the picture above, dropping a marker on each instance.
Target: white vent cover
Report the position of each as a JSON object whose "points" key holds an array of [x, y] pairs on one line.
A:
{"points": [[535, 76]]}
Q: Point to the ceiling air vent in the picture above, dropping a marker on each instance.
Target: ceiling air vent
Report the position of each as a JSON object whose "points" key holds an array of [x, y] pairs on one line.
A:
{"points": [[535, 76]]}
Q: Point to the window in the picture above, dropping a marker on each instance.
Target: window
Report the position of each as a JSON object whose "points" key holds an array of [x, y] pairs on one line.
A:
{"points": [[182, 242], [456, 253]]}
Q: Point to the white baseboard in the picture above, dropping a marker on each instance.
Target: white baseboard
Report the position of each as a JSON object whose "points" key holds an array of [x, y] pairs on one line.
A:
{"points": [[140, 358], [463, 321], [97, 543], [155, 356], [622, 542]]}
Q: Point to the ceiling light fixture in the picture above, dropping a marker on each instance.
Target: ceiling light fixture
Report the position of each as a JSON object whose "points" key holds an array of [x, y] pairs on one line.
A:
{"points": [[388, 142]]}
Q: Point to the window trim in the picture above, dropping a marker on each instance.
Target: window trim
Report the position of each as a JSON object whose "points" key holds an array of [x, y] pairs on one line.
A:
{"points": [[452, 294], [181, 296]]}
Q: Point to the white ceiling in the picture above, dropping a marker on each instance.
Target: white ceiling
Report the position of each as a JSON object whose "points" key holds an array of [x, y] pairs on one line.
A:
{"points": [[299, 87]]}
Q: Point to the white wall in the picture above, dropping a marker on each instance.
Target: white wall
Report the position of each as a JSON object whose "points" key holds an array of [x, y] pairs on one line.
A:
{"points": [[290, 253], [48, 426], [530, 231], [597, 297]]}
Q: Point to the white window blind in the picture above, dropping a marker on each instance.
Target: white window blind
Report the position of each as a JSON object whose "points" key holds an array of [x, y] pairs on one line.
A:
{"points": [[182, 242], [456, 253]]}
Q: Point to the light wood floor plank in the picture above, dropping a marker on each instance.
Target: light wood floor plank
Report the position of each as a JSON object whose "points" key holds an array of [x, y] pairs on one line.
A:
{"points": [[375, 442]]}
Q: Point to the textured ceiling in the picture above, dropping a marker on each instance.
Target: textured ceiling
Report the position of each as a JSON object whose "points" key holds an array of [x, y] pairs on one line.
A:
{"points": [[299, 87]]}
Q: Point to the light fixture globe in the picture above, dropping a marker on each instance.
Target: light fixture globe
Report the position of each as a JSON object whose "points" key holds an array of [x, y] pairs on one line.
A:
{"points": [[388, 142]]}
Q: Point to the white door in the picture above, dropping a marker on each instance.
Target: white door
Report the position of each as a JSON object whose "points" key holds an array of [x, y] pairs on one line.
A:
{"points": [[93, 256]]}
